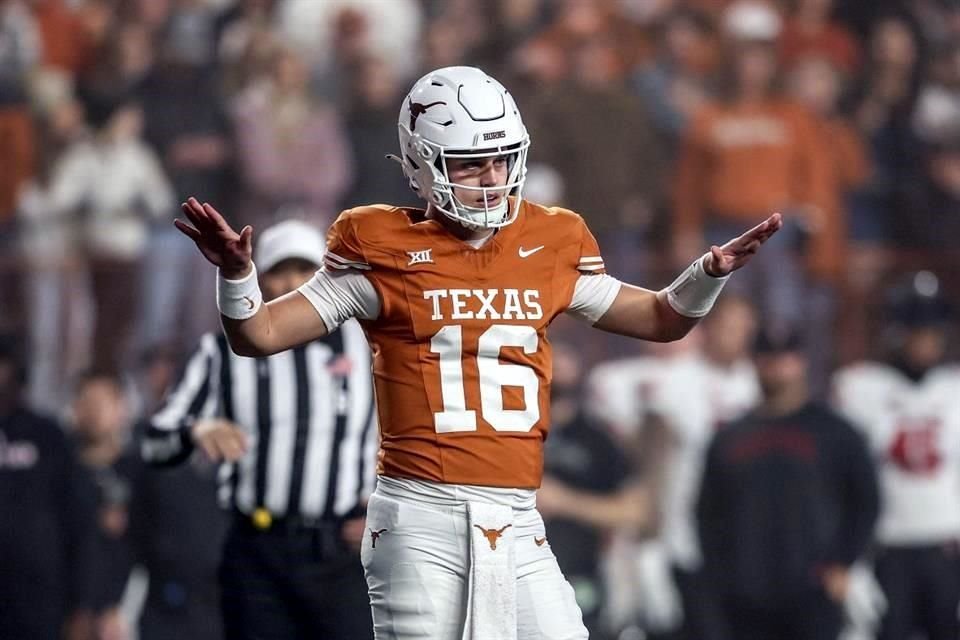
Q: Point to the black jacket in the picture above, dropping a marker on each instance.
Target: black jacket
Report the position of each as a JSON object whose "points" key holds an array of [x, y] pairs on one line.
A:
{"points": [[47, 527], [781, 498]]}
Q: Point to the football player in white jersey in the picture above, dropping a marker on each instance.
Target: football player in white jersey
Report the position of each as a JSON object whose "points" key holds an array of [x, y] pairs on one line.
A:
{"points": [[909, 411], [619, 391], [618, 396], [710, 386], [679, 400]]}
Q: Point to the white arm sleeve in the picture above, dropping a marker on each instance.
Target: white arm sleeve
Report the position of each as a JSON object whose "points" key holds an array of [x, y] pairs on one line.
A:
{"points": [[592, 296], [340, 296]]}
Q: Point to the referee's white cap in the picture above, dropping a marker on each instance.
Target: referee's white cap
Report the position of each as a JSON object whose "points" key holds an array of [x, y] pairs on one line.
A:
{"points": [[286, 240]]}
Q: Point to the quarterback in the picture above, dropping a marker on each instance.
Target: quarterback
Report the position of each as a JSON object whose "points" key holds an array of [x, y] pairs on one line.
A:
{"points": [[455, 300]]}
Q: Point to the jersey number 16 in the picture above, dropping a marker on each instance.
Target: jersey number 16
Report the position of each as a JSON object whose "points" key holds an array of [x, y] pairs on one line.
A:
{"points": [[448, 344]]}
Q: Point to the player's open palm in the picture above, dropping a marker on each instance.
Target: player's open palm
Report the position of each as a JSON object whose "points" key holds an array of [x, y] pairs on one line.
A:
{"points": [[217, 241], [737, 252]]}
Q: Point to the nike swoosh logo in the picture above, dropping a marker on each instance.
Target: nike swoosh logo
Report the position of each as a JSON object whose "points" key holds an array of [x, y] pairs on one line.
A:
{"points": [[249, 302], [539, 541], [524, 254]]}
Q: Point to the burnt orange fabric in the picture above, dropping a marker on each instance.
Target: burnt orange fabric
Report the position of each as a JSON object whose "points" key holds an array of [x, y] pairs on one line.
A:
{"points": [[849, 167], [66, 43], [742, 162], [631, 41], [18, 150], [462, 365], [833, 42]]}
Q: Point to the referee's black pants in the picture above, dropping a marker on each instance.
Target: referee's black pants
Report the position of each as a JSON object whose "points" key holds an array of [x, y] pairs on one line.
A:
{"points": [[292, 582]]}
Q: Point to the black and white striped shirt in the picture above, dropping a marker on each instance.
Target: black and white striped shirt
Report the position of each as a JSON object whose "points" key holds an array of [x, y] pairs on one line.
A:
{"points": [[312, 432]]}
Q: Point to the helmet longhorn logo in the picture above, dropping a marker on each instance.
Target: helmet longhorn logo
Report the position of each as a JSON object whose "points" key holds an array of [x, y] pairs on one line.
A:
{"points": [[470, 115], [417, 109]]}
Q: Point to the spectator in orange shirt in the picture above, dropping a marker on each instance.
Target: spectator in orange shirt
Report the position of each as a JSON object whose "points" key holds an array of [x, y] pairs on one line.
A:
{"points": [[752, 153]]}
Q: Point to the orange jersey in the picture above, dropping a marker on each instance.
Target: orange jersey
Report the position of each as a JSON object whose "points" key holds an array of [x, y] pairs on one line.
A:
{"points": [[462, 365]]}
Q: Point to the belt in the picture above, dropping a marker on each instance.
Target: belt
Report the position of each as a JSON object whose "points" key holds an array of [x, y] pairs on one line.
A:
{"points": [[323, 536], [261, 519]]}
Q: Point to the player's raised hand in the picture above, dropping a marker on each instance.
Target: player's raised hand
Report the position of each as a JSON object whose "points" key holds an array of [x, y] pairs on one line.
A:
{"points": [[737, 252], [217, 241]]}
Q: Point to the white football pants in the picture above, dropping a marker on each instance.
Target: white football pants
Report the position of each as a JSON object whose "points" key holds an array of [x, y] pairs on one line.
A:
{"points": [[416, 554]]}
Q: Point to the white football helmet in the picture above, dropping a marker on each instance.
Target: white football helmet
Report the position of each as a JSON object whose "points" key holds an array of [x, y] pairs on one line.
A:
{"points": [[461, 112]]}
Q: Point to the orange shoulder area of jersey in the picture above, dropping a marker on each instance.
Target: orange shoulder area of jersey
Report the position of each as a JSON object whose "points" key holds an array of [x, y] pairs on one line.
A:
{"points": [[379, 233], [361, 237], [561, 229], [376, 224], [563, 219], [567, 231]]}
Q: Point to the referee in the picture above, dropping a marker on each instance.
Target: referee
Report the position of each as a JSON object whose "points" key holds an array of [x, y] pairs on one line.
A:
{"points": [[297, 436]]}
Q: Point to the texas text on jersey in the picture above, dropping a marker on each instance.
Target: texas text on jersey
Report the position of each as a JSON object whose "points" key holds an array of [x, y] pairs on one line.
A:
{"points": [[464, 327]]}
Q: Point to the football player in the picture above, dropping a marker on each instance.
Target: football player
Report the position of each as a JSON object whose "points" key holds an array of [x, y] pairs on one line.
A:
{"points": [[455, 300], [908, 409], [702, 391]]}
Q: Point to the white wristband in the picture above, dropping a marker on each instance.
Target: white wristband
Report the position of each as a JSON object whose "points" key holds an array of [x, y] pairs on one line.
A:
{"points": [[239, 299], [693, 293]]}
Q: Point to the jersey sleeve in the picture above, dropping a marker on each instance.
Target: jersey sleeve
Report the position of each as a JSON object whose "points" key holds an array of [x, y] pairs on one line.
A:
{"points": [[592, 296], [344, 250], [593, 290], [590, 262], [344, 287], [338, 295]]}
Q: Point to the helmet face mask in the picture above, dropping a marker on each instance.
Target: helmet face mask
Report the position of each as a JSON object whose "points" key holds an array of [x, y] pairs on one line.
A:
{"points": [[462, 113], [484, 216]]}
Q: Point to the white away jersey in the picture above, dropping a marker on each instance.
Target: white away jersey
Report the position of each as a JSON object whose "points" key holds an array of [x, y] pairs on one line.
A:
{"points": [[695, 398], [913, 429], [619, 391]]}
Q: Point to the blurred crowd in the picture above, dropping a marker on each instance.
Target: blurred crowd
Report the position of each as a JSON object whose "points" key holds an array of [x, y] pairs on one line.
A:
{"points": [[668, 124]]}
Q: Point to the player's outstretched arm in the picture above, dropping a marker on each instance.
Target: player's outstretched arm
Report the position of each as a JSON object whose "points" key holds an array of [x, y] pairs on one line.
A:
{"points": [[253, 329], [669, 314]]}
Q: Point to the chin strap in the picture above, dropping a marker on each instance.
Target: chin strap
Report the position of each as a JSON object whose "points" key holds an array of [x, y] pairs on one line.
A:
{"points": [[475, 225]]}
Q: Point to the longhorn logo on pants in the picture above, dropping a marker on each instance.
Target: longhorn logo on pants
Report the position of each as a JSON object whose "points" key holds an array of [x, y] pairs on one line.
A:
{"points": [[492, 535], [374, 536]]}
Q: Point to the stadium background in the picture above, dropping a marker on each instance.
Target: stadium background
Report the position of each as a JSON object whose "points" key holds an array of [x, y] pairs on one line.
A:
{"points": [[114, 111]]}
